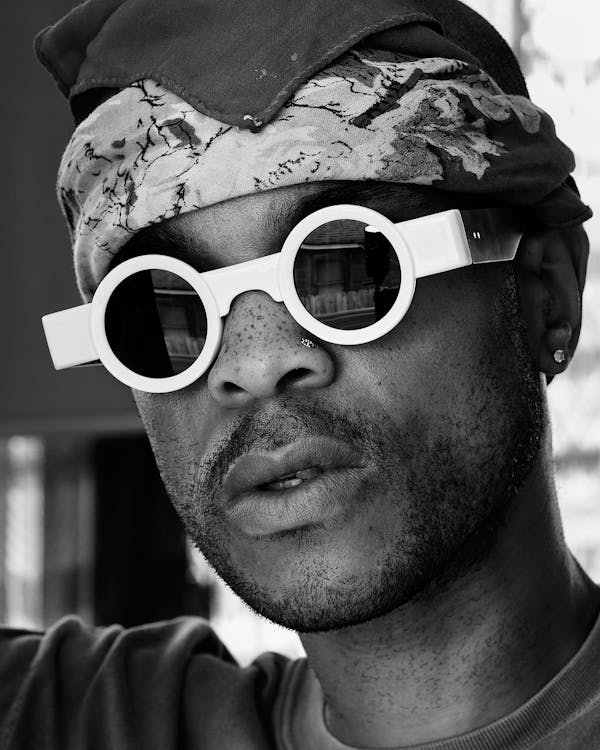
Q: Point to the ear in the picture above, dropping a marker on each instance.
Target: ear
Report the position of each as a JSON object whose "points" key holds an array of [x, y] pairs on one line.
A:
{"points": [[550, 268]]}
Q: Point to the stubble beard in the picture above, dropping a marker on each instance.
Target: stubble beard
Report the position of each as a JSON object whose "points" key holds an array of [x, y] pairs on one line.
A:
{"points": [[453, 500]]}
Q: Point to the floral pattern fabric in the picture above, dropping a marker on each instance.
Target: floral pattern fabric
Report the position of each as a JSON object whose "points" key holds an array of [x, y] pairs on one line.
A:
{"points": [[145, 155]]}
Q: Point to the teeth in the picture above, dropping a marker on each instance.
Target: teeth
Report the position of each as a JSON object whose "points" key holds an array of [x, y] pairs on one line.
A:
{"points": [[293, 480], [283, 484]]}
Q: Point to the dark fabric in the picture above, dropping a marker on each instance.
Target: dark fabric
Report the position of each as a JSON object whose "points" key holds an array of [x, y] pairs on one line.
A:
{"points": [[213, 54], [227, 59], [168, 685], [63, 48], [173, 685]]}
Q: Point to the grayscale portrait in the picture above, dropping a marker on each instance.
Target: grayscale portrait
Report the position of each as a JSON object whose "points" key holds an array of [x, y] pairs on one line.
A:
{"points": [[300, 405]]}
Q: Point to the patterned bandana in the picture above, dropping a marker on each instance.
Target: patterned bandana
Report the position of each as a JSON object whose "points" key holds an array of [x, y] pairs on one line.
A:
{"points": [[145, 155]]}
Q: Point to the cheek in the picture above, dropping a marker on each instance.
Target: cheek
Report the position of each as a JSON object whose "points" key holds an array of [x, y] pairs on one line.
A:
{"points": [[438, 357], [178, 426]]}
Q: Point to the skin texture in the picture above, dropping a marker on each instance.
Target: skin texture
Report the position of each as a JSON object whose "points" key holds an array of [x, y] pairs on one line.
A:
{"points": [[416, 620]]}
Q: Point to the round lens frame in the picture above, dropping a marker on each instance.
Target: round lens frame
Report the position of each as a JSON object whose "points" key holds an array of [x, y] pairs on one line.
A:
{"points": [[105, 353], [292, 301], [281, 287]]}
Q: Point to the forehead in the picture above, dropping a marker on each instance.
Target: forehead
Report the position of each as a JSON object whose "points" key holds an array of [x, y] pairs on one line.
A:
{"points": [[254, 225]]}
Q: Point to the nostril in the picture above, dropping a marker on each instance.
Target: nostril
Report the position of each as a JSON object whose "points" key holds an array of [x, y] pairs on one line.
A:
{"points": [[294, 377], [231, 389]]}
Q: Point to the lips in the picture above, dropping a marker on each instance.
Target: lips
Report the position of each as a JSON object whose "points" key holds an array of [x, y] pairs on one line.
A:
{"points": [[288, 467]]}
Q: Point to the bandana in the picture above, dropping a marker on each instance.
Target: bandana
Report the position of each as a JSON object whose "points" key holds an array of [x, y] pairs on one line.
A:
{"points": [[145, 155]]}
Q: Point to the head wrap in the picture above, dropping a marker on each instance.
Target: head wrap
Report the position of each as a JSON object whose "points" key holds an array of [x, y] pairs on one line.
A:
{"points": [[171, 141]]}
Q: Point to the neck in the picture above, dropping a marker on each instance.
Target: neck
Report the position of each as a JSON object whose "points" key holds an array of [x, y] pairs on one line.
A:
{"points": [[467, 652]]}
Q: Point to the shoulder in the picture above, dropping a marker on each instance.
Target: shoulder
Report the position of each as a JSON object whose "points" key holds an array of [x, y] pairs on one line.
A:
{"points": [[75, 677], [75, 650]]}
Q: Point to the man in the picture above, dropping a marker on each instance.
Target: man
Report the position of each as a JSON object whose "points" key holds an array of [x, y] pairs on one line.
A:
{"points": [[385, 490]]}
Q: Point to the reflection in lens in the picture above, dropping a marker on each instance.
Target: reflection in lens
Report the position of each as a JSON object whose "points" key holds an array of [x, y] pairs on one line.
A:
{"points": [[155, 323], [347, 274]]}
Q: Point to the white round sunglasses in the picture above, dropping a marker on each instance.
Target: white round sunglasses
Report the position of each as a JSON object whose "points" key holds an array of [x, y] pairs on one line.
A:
{"points": [[345, 273]]}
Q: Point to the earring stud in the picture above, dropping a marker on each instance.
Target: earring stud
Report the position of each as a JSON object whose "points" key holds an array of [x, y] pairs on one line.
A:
{"points": [[308, 343], [560, 356]]}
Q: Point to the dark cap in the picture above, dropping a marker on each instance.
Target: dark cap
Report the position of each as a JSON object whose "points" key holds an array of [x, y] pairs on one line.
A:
{"points": [[240, 61]]}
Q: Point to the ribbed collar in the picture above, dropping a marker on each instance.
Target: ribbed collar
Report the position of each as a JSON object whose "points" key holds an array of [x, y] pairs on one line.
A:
{"points": [[574, 693]]}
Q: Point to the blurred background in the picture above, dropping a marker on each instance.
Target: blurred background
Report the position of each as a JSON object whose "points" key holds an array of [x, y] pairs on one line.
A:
{"points": [[85, 525]]}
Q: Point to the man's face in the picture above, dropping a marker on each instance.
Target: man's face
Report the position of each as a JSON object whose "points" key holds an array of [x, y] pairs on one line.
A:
{"points": [[444, 413]]}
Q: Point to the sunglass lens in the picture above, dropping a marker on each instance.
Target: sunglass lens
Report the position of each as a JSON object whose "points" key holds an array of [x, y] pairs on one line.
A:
{"points": [[347, 274], [155, 323]]}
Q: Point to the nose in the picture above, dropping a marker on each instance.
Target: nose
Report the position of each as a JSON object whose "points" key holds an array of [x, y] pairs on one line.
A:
{"points": [[262, 354]]}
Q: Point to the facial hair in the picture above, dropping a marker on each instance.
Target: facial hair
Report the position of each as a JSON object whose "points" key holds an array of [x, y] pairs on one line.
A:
{"points": [[447, 489]]}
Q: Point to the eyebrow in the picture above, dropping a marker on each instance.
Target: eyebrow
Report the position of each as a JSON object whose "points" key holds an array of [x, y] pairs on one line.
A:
{"points": [[401, 201], [164, 240]]}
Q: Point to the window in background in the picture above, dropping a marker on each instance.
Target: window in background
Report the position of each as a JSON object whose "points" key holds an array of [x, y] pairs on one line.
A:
{"points": [[46, 530], [86, 528], [22, 532]]}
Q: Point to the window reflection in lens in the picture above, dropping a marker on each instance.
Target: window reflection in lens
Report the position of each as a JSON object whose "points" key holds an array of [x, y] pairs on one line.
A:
{"points": [[155, 323], [347, 274]]}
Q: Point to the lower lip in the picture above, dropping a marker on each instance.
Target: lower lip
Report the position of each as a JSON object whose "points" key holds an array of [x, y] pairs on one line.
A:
{"points": [[263, 512]]}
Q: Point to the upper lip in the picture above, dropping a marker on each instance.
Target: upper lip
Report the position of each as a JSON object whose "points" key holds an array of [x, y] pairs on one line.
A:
{"points": [[254, 469]]}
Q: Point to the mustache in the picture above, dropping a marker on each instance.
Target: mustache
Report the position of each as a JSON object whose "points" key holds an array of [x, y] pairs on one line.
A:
{"points": [[274, 425]]}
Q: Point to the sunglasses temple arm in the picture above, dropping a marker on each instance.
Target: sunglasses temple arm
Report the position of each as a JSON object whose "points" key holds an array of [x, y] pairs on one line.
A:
{"points": [[455, 239], [493, 234], [69, 337]]}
